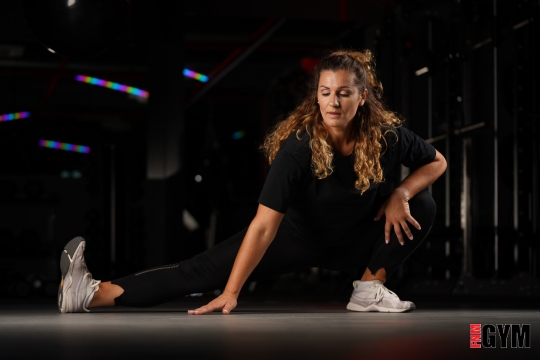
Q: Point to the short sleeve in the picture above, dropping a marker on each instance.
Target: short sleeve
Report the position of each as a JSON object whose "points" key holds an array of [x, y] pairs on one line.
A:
{"points": [[282, 182], [412, 150]]}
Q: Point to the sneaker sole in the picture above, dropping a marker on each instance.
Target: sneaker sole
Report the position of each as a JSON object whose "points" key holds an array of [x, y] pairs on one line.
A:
{"points": [[66, 268], [355, 307]]}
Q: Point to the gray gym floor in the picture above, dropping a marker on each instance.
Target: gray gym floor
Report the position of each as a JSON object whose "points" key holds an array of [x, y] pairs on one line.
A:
{"points": [[257, 330]]}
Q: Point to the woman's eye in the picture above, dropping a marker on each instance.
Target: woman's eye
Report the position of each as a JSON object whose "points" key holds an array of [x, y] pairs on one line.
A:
{"points": [[344, 94], [326, 94]]}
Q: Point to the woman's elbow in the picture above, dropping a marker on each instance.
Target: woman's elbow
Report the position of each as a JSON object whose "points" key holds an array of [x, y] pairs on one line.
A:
{"points": [[441, 163]]}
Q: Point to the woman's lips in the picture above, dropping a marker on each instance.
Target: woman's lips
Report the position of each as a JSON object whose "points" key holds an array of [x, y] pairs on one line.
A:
{"points": [[334, 114]]}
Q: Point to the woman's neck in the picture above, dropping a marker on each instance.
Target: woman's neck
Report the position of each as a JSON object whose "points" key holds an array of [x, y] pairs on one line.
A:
{"points": [[341, 141]]}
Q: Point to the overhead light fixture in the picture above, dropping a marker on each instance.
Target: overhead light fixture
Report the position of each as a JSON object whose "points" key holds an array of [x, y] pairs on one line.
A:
{"points": [[521, 24], [421, 71], [15, 116], [189, 222], [195, 75], [64, 146], [112, 85], [66, 174]]}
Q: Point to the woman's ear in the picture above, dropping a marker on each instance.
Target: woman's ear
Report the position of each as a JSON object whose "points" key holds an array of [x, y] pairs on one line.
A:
{"points": [[363, 97]]}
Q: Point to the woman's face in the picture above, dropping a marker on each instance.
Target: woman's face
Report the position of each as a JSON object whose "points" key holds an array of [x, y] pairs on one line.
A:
{"points": [[339, 98]]}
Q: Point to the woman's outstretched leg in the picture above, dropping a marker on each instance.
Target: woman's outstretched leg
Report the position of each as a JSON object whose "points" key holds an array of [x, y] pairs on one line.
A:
{"points": [[105, 295], [77, 287], [204, 272], [210, 270]]}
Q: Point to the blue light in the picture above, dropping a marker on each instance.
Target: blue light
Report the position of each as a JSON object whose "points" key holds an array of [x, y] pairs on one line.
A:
{"points": [[238, 135]]}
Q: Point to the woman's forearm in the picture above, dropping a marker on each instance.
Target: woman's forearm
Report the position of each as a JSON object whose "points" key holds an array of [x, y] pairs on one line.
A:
{"points": [[422, 177], [251, 251]]}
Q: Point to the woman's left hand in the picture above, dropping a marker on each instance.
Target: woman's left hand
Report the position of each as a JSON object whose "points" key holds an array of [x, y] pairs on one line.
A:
{"points": [[397, 212]]}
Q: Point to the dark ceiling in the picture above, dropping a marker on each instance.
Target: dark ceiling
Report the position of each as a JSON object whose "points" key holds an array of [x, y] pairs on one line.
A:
{"points": [[34, 79], [212, 31], [265, 84]]}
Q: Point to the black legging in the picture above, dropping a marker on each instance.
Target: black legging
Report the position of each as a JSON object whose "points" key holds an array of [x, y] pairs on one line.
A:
{"points": [[363, 245]]}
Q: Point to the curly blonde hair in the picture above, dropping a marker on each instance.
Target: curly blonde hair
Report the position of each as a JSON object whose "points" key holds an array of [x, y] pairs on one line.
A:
{"points": [[370, 125]]}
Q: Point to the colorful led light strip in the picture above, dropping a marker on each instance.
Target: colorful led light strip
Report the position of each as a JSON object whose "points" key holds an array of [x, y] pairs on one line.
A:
{"points": [[129, 89], [64, 146], [195, 75], [111, 85], [15, 116]]}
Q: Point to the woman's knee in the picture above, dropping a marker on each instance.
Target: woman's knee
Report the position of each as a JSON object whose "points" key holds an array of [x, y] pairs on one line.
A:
{"points": [[422, 205]]}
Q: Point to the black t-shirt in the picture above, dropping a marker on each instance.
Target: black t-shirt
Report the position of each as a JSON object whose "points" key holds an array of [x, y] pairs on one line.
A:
{"points": [[326, 209]]}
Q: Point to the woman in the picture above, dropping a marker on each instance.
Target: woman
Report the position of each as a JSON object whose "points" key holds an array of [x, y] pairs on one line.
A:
{"points": [[320, 205]]}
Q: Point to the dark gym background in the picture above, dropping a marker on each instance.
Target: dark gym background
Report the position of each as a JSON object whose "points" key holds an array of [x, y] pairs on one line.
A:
{"points": [[170, 176]]}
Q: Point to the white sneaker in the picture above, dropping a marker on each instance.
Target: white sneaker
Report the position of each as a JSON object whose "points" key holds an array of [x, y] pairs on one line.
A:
{"points": [[376, 297], [77, 285]]}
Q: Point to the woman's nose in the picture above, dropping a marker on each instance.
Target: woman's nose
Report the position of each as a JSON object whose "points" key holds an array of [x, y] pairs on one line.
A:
{"points": [[334, 101]]}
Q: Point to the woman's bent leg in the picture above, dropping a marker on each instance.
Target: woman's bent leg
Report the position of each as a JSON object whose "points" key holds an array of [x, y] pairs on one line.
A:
{"points": [[390, 256], [369, 293]]}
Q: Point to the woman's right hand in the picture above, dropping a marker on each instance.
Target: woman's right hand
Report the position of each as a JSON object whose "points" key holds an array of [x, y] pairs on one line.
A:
{"points": [[225, 302]]}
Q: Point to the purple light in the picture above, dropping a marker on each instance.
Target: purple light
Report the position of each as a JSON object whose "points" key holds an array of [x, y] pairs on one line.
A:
{"points": [[15, 116]]}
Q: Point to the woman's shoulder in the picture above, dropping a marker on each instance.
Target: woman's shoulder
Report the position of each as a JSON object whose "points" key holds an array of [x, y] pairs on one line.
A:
{"points": [[391, 131], [391, 134], [297, 146], [297, 142], [398, 135]]}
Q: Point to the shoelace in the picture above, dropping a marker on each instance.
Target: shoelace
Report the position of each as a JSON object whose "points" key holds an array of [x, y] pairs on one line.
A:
{"points": [[94, 285], [381, 292]]}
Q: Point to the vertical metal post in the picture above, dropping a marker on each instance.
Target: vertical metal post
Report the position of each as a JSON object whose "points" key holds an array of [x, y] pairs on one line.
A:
{"points": [[465, 210], [447, 173], [536, 148], [113, 205], [211, 231], [430, 81], [466, 143], [447, 185], [515, 190], [495, 142], [447, 152], [430, 85]]}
